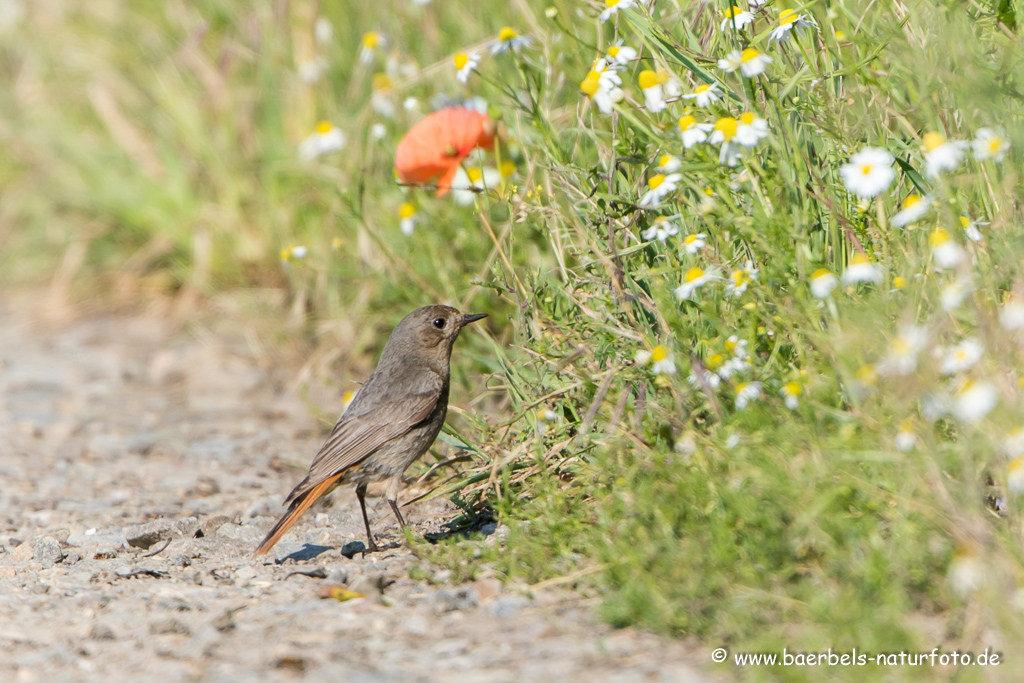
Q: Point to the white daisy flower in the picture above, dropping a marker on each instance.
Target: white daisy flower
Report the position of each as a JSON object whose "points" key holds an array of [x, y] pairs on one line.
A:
{"points": [[971, 228], [1011, 314], [693, 280], [1015, 476], [961, 357], [323, 30], [378, 131], [861, 269], [953, 294], [312, 70], [411, 104], [736, 346], [692, 132], [734, 366], [822, 283], [946, 252], [753, 62], [789, 22], [966, 573], [669, 164], [732, 441], [611, 7], [407, 215], [731, 62], [751, 129], [380, 98], [710, 378], [905, 437], [465, 64], [724, 134], [662, 228], [694, 242], [974, 400], [654, 94], [737, 17], [740, 279], [662, 363], [756, 3], [325, 139], [370, 41], [747, 392], [912, 208], [990, 143], [941, 154], [467, 180], [621, 55], [704, 95], [508, 40], [1013, 443], [869, 172], [901, 355], [790, 392], [659, 187]]}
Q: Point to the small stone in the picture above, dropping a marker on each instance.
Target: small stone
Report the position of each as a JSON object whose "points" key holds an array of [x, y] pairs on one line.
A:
{"points": [[23, 553], [168, 625], [293, 663], [507, 606], [487, 589], [370, 585], [72, 558], [206, 486], [416, 625], [179, 560], [455, 599], [225, 622], [40, 589], [14, 541], [101, 632], [337, 575], [241, 532], [353, 548], [146, 535], [8, 572], [245, 573], [210, 525], [47, 551]]}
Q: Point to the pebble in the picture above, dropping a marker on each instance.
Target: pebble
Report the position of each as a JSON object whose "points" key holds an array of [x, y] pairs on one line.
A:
{"points": [[47, 552], [168, 625], [507, 606], [146, 535], [455, 599]]}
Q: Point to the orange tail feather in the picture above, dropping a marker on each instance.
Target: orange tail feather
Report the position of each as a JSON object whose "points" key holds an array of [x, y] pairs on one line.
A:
{"points": [[299, 506]]}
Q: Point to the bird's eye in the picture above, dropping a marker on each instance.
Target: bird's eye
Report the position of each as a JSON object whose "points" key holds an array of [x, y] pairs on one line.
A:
{"points": [[439, 323]]}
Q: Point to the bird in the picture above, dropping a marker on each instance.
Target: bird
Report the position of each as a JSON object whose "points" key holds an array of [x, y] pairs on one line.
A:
{"points": [[392, 421]]}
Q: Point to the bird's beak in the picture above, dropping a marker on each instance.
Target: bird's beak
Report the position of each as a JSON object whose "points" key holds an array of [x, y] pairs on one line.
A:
{"points": [[471, 318]]}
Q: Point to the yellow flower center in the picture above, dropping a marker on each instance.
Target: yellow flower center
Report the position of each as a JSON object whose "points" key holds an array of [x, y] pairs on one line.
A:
{"points": [[380, 82], [655, 181], [732, 12], [370, 39], [507, 168], [613, 51], [792, 388], [647, 79], [687, 122], [702, 88], [337, 243], [749, 54], [666, 159], [866, 169], [787, 16], [727, 125], [899, 282], [406, 210], [747, 118], [840, 35], [995, 144], [715, 360], [659, 354], [611, 3], [910, 201], [590, 85], [709, 192], [693, 274], [286, 253], [860, 259], [475, 174], [324, 127], [506, 34], [820, 272], [461, 60], [932, 140], [965, 222], [938, 237], [690, 239], [866, 374]]}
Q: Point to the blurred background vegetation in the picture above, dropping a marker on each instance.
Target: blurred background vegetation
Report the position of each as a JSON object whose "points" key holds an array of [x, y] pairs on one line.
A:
{"points": [[151, 149]]}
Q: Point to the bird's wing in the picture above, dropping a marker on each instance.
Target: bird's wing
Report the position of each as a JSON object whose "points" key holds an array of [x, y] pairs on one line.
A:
{"points": [[372, 420]]}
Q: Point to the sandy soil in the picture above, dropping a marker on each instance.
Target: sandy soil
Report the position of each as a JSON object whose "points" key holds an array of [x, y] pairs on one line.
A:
{"points": [[112, 422]]}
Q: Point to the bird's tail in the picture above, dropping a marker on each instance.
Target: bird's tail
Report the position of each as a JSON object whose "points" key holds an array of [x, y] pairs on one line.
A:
{"points": [[298, 506]]}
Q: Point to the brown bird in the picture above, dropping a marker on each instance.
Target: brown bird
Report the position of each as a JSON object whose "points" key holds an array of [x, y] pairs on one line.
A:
{"points": [[391, 422]]}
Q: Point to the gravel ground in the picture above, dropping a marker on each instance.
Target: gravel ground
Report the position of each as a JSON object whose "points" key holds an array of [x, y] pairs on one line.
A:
{"points": [[140, 465]]}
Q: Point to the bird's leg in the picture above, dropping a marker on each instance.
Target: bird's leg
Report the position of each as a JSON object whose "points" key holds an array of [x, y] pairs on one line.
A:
{"points": [[398, 513], [361, 495], [391, 494]]}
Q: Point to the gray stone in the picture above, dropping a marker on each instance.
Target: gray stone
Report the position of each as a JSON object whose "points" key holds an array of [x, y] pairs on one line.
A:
{"points": [[168, 625], [507, 605], [146, 535], [241, 532], [451, 600], [47, 551], [353, 548]]}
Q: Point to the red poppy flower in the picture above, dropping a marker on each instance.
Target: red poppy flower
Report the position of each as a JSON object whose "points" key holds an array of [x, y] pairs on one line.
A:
{"points": [[436, 146]]}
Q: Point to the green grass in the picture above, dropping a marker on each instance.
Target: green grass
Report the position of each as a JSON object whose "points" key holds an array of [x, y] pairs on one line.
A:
{"points": [[154, 147]]}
